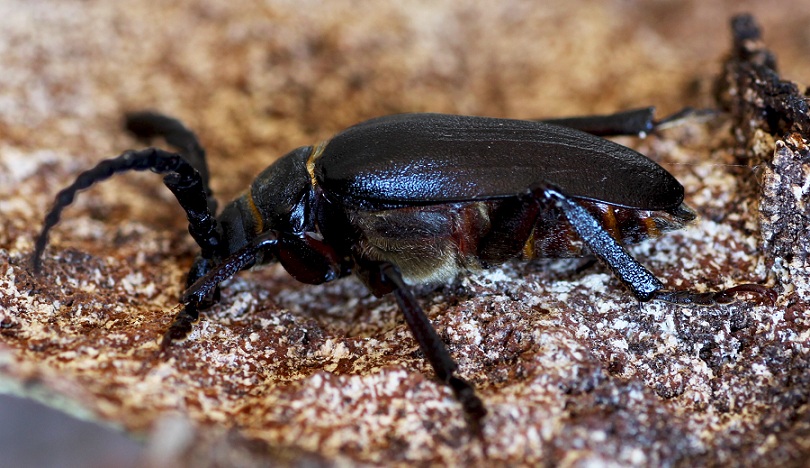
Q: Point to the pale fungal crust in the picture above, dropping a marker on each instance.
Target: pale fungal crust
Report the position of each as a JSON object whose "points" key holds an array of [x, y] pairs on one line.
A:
{"points": [[572, 370]]}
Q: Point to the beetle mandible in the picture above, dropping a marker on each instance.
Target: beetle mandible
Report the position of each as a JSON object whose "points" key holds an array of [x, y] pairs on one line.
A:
{"points": [[417, 198]]}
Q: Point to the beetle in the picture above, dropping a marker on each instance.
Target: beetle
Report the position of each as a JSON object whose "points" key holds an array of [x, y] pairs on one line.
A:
{"points": [[418, 198]]}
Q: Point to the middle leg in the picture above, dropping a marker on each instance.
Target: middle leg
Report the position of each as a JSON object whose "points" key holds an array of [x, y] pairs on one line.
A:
{"points": [[384, 277]]}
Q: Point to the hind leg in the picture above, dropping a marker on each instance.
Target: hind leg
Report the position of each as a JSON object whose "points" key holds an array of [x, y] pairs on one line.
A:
{"points": [[640, 281]]}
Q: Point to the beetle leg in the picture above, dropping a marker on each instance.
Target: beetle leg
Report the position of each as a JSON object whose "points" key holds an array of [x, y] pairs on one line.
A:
{"points": [[641, 282], [636, 122], [236, 262], [638, 279], [202, 293], [384, 277]]}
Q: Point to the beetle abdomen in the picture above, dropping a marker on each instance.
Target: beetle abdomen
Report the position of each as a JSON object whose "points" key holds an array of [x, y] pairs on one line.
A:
{"points": [[432, 244], [554, 237]]}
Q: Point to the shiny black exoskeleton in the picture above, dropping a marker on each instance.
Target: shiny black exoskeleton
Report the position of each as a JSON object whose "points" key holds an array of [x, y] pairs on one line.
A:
{"points": [[418, 198]]}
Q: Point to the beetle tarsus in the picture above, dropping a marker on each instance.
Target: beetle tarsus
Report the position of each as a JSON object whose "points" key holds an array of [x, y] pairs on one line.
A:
{"points": [[687, 113], [726, 296], [181, 327], [474, 410]]}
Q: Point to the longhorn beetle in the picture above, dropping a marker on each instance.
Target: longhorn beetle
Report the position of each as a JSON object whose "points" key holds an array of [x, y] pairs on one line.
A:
{"points": [[417, 198]]}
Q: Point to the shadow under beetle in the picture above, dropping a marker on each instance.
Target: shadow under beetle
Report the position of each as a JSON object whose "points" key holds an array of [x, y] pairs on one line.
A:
{"points": [[418, 198]]}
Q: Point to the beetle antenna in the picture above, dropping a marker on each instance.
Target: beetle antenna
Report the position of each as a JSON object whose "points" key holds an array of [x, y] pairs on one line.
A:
{"points": [[181, 178], [147, 125]]}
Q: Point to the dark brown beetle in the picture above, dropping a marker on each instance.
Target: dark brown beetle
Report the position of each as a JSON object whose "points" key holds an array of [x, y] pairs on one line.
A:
{"points": [[418, 198]]}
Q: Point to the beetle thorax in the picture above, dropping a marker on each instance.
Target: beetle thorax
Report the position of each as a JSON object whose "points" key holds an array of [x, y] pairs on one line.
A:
{"points": [[276, 200], [428, 244]]}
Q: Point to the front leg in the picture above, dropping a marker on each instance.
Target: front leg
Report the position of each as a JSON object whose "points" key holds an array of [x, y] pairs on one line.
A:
{"points": [[306, 258], [190, 313], [383, 278], [203, 282]]}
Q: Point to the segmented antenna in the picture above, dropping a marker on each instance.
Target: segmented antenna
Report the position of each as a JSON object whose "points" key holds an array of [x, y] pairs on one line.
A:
{"points": [[147, 124], [182, 179]]}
